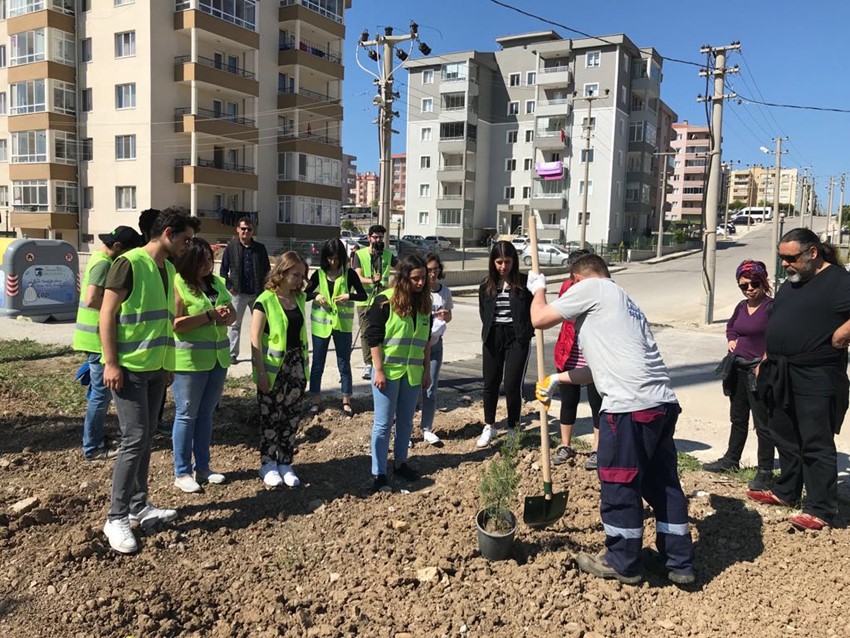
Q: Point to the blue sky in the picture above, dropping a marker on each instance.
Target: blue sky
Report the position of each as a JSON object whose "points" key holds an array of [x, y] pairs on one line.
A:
{"points": [[791, 53]]}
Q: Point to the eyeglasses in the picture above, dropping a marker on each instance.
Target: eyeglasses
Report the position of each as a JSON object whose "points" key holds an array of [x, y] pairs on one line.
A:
{"points": [[755, 285], [790, 259], [245, 229], [377, 236]]}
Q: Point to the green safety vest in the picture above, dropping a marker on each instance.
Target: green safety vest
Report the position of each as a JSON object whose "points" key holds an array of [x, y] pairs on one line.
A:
{"points": [[198, 350], [365, 258], [404, 344], [333, 316], [146, 318], [274, 343], [86, 335]]}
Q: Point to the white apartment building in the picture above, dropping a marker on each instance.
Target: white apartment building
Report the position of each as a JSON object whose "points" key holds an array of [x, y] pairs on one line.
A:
{"points": [[480, 124], [227, 108]]}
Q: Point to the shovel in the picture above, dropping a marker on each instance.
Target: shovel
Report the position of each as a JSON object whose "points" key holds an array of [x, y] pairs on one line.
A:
{"points": [[542, 511]]}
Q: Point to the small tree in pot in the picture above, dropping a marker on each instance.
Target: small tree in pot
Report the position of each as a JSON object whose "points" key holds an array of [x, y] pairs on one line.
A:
{"points": [[497, 489]]}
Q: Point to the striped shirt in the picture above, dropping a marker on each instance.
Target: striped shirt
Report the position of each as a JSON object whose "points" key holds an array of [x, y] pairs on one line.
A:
{"points": [[503, 307]]}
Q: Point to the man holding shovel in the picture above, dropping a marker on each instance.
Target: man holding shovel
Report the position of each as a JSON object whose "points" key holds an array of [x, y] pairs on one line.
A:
{"points": [[637, 456]]}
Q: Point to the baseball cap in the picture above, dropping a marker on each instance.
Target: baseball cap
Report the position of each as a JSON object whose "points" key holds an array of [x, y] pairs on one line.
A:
{"points": [[128, 237]]}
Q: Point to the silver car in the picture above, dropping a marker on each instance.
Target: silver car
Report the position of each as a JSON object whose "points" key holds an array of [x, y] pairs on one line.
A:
{"points": [[547, 254]]}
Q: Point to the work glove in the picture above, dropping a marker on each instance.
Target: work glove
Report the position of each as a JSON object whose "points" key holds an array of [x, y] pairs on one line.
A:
{"points": [[544, 389], [536, 281]]}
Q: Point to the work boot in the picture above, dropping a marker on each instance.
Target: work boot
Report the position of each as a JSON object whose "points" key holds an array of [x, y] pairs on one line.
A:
{"points": [[723, 464], [653, 561], [762, 481], [597, 566]]}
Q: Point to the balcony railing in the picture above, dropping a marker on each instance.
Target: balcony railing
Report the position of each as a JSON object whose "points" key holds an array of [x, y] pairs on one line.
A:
{"points": [[228, 216], [222, 166], [451, 196], [221, 66], [62, 6], [313, 6], [315, 95], [554, 101], [554, 69], [453, 138], [312, 48], [30, 208], [214, 115], [452, 167], [292, 135], [247, 20]]}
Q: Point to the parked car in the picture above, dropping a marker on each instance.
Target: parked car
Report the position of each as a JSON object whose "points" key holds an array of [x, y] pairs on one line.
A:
{"points": [[425, 245], [744, 219], [412, 237], [548, 255], [572, 246], [443, 242], [520, 243]]}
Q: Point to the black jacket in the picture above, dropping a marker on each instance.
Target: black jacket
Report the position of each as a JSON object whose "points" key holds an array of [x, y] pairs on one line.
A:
{"points": [[231, 265], [520, 310]]}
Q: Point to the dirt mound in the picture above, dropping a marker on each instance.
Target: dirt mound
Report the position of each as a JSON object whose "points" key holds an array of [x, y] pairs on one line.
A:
{"points": [[329, 560]]}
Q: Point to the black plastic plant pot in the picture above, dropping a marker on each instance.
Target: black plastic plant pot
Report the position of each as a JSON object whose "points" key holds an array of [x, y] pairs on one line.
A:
{"points": [[495, 545]]}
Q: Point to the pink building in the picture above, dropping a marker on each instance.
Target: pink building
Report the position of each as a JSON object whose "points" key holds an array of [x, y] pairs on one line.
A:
{"points": [[690, 172]]}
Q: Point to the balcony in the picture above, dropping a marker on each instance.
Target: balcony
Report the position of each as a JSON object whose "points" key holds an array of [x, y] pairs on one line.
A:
{"points": [[557, 75], [204, 16], [313, 14], [43, 218], [454, 200], [456, 144], [217, 124], [322, 105], [215, 173], [216, 75], [314, 144], [454, 174], [551, 140], [314, 56], [26, 18]]}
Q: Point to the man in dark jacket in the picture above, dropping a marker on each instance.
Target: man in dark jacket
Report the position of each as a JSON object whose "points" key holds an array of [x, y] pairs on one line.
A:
{"points": [[244, 267]]}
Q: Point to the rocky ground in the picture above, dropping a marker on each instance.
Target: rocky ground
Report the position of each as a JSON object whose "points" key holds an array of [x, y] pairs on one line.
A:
{"points": [[327, 559]]}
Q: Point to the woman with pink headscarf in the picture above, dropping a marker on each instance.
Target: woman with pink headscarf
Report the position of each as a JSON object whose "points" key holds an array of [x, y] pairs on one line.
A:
{"points": [[745, 332]]}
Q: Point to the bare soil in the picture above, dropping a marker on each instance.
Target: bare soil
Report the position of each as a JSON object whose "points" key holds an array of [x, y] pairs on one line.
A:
{"points": [[327, 559]]}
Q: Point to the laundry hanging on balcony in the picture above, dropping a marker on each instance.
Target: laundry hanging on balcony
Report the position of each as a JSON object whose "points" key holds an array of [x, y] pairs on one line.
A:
{"points": [[550, 170]]}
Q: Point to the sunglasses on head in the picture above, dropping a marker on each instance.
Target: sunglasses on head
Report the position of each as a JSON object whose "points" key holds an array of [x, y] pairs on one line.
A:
{"points": [[755, 285]]}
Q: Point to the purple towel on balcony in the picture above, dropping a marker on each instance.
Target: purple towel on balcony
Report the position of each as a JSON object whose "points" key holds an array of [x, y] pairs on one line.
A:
{"points": [[550, 170]]}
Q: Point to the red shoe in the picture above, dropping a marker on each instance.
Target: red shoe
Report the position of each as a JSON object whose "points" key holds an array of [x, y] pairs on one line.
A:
{"points": [[805, 521], [765, 497]]}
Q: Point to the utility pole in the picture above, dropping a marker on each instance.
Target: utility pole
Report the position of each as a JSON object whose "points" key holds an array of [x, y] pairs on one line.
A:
{"points": [[588, 134], [840, 210], [776, 188], [829, 208], [712, 196], [663, 210], [381, 52], [728, 169], [804, 199]]}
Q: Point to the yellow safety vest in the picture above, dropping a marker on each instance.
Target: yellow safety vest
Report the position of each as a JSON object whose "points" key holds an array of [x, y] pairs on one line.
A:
{"points": [[404, 344], [86, 335], [333, 316], [364, 256], [274, 343], [198, 350]]}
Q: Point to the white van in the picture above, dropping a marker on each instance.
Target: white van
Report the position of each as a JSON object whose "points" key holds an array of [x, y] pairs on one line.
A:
{"points": [[758, 213]]}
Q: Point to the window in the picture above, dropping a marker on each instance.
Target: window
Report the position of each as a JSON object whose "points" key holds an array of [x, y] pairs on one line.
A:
{"points": [[448, 217], [425, 134], [527, 164], [88, 197], [624, 94], [589, 187], [529, 106], [591, 90], [2, 55], [125, 96], [85, 98], [86, 149], [66, 197], [592, 59], [526, 192], [454, 101], [511, 137], [85, 50], [619, 158], [2, 103], [586, 155], [29, 147], [64, 147], [4, 196], [530, 77], [4, 150], [125, 44], [454, 72], [28, 97], [64, 98], [510, 192], [529, 135], [510, 164], [428, 76], [424, 190], [427, 105], [27, 47], [514, 79], [513, 108], [120, 3], [425, 161], [636, 132], [63, 47], [30, 194], [423, 217], [125, 147], [125, 197], [580, 217]]}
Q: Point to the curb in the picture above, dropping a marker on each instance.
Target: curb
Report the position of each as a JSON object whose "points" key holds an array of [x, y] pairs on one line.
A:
{"points": [[670, 257]]}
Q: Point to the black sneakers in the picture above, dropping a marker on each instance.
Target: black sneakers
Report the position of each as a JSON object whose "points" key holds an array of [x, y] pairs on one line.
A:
{"points": [[723, 464], [380, 484], [762, 481]]}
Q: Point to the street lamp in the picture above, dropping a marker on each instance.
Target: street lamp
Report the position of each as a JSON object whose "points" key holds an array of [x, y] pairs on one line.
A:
{"points": [[778, 258]]}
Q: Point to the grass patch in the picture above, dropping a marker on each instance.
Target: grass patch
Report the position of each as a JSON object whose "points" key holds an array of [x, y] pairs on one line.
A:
{"points": [[580, 445], [55, 391], [742, 474], [29, 350], [239, 383], [688, 462]]}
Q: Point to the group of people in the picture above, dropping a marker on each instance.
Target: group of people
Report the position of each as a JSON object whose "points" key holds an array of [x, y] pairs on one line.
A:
{"points": [[162, 323]]}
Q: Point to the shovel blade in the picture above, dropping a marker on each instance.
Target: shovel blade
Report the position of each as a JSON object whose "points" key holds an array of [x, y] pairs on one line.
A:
{"points": [[542, 511]]}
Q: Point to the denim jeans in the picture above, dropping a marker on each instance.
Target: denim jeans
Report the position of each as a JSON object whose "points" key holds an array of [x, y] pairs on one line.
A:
{"points": [[342, 345], [99, 400], [429, 398], [397, 400], [241, 302], [195, 396]]}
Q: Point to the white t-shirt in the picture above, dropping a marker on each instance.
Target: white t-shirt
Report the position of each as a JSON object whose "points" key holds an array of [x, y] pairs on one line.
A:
{"points": [[440, 300], [618, 344]]}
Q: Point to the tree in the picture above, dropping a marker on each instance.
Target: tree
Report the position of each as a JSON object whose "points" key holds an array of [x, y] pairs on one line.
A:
{"points": [[737, 205], [349, 225]]}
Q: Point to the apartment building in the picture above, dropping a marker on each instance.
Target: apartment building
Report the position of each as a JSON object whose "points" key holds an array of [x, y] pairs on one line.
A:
{"points": [[228, 109], [399, 187], [349, 179], [690, 172], [789, 186], [742, 187], [492, 136], [366, 188]]}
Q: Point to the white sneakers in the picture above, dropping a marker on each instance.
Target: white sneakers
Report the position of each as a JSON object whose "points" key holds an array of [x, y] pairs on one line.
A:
{"points": [[209, 476], [153, 514], [289, 477], [275, 475], [486, 436], [187, 484], [367, 373], [430, 437], [120, 535]]}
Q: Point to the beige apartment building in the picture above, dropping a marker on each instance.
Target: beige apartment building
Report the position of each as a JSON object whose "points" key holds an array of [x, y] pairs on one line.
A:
{"points": [[365, 188], [227, 108], [690, 171]]}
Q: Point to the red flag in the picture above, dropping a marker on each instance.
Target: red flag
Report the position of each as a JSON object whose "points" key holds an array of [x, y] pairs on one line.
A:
{"points": [[309, 130], [563, 137]]}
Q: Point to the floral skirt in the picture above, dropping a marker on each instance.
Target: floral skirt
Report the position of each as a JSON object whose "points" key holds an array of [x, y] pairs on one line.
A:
{"points": [[281, 410]]}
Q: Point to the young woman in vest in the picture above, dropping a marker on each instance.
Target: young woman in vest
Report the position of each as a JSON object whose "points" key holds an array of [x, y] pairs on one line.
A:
{"points": [[504, 304], [203, 312], [441, 313], [279, 354], [398, 333], [333, 288]]}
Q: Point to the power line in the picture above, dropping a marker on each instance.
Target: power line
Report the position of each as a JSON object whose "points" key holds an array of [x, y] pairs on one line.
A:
{"points": [[802, 107]]}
